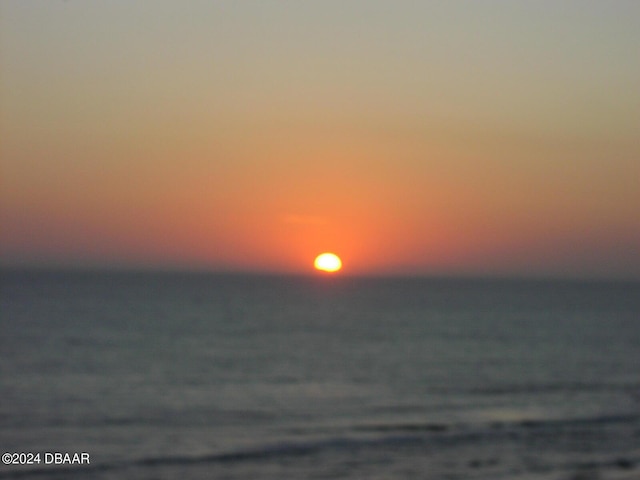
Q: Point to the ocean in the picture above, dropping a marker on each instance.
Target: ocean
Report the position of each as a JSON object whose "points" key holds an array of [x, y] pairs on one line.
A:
{"points": [[156, 376]]}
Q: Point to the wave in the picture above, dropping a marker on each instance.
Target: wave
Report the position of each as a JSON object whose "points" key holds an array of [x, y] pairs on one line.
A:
{"points": [[577, 422], [260, 453], [275, 451], [371, 436], [524, 423], [551, 388]]}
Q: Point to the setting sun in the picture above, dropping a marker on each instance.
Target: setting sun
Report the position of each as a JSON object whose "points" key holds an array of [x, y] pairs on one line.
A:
{"points": [[328, 262]]}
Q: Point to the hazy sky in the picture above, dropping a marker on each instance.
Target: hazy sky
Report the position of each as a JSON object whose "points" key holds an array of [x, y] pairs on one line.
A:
{"points": [[423, 137]]}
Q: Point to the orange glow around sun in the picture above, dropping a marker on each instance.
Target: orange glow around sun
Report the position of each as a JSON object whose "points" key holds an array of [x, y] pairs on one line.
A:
{"points": [[328, 262]]}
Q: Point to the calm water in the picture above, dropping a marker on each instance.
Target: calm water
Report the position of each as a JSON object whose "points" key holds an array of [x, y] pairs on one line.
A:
{"points": [[164, 376]]}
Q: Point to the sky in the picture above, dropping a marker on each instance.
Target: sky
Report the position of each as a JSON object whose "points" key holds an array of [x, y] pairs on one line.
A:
{"points": [[409, 137]]}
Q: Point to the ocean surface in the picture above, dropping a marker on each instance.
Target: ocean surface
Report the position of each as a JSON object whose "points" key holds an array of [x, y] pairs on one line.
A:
{"points": [[194, 376]]}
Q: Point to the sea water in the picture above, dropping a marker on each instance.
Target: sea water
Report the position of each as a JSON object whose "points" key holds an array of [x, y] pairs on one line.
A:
{"points": [[194, 376]]}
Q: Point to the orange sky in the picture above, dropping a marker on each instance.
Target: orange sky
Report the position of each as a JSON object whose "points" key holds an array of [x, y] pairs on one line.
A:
{"points": [[419, 138]]}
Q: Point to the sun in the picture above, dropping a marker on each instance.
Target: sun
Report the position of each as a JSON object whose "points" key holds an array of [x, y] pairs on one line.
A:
{"points": [[328, 262]]}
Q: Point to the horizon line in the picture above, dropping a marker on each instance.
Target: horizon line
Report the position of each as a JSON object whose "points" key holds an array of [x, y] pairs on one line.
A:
{"points": [[389, 275]]}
